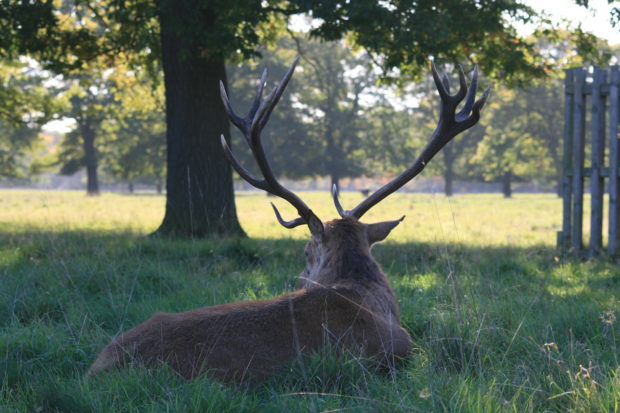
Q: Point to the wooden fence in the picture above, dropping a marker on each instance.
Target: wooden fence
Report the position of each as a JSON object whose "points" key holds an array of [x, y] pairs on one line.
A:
{"points": [[598, 89]]}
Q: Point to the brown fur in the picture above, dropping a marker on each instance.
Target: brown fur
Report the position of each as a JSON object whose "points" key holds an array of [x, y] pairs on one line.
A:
{"points": [[344, 298]]}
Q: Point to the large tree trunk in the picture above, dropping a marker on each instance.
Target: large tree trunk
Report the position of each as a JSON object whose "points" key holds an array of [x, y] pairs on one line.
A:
{"points": [[90, 157], [507, 184], [199, 198]]}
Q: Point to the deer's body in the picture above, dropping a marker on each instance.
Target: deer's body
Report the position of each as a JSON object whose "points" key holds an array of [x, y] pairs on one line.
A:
{"points": [[344, 297], [355, 311]]}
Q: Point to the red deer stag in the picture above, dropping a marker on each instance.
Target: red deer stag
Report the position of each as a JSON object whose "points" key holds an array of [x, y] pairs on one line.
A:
{"points": [[343, 297]]}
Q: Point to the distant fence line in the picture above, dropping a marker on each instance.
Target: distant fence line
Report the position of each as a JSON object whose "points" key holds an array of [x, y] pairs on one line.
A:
{"points": [[599, 89]]}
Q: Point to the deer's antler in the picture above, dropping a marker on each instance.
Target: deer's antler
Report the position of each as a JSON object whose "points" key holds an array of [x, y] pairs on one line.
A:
{"points": [[251, 126], [449, 125]]}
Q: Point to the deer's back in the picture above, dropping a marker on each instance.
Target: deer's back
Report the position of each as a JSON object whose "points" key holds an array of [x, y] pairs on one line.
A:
{"points": [[248, 340]]}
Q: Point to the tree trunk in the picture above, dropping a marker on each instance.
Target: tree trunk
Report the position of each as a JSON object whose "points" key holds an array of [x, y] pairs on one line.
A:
{"points": [[130, 187], [507, 184], [199, 199], [90, 157], [448, 174]]}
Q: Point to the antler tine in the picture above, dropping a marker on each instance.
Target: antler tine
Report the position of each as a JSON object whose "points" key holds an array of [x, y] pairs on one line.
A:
{"points": [[259, 94], [278, 91], [443, 87], [251, 126], [244, 173], [287, 224], [258, 122], [471, 94], [449, 125], [236, 119], [446, 82], [443, 93], [339, 208], [477, 107], [264, 111], [462, 85], [255, 128], [482, 101]]}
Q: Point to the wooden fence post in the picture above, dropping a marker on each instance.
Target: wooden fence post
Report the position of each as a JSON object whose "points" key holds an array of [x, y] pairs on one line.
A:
{"points": [[567, 164], [578, 158], [597, 185], [614, 189]]}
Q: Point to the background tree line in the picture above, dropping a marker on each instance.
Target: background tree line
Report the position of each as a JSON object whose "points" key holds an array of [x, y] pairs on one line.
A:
{"points": [[336, 120], [141, 78]]}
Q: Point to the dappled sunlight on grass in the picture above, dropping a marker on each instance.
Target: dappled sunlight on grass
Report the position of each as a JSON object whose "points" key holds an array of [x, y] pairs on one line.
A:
{"points": [[566, 289], [9, 257], [481, 219], [56, 211]]}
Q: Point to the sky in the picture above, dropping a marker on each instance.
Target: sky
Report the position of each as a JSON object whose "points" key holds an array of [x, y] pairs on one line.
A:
{"points": [[595, 20]]}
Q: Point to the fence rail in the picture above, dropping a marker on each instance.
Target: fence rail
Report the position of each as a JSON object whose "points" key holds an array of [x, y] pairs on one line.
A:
{"points": [[598, 90]]}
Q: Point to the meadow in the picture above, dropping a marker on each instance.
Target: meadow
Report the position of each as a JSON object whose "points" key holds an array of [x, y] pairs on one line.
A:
{"points": [[500, 320]]}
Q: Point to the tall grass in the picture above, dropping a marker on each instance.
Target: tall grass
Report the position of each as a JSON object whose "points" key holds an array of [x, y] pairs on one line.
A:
{"points": [[500, 321]]}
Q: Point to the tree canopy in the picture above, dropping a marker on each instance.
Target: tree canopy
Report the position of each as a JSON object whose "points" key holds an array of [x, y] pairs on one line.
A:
{"points": [[25, 104], [398, 34]]}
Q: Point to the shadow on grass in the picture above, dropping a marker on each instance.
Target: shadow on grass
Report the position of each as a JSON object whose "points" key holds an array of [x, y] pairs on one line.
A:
{"points": [[40, 270]]}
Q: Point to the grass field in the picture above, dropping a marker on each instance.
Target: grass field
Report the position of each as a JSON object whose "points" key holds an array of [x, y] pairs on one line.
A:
{"points": [[500, 321]]}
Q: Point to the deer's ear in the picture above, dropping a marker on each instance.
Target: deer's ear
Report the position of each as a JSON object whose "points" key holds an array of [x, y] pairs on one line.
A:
{"points": [[315, 224], [379, 231]]}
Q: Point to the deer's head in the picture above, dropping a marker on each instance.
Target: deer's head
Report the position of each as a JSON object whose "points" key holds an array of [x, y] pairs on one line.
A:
{"points": [[338, 248]]}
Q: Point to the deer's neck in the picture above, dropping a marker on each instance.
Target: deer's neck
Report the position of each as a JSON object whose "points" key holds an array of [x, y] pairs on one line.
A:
{"points": [[354, 265], [357, 269]]}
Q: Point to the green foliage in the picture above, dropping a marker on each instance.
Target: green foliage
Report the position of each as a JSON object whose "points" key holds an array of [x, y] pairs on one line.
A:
{"points": [[89, 99], [321, 124], [25, 104], [522, 126], [135, 137], [15, 145], [287, 137], [392, 138], [518, 136], [400, 34], [70, 158], [500, 323], [576, 48], [337, 83], [42, 28], [451, 31], [82, 38], [136, 150], [451, 161], [510, 143], [121, 111]]}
